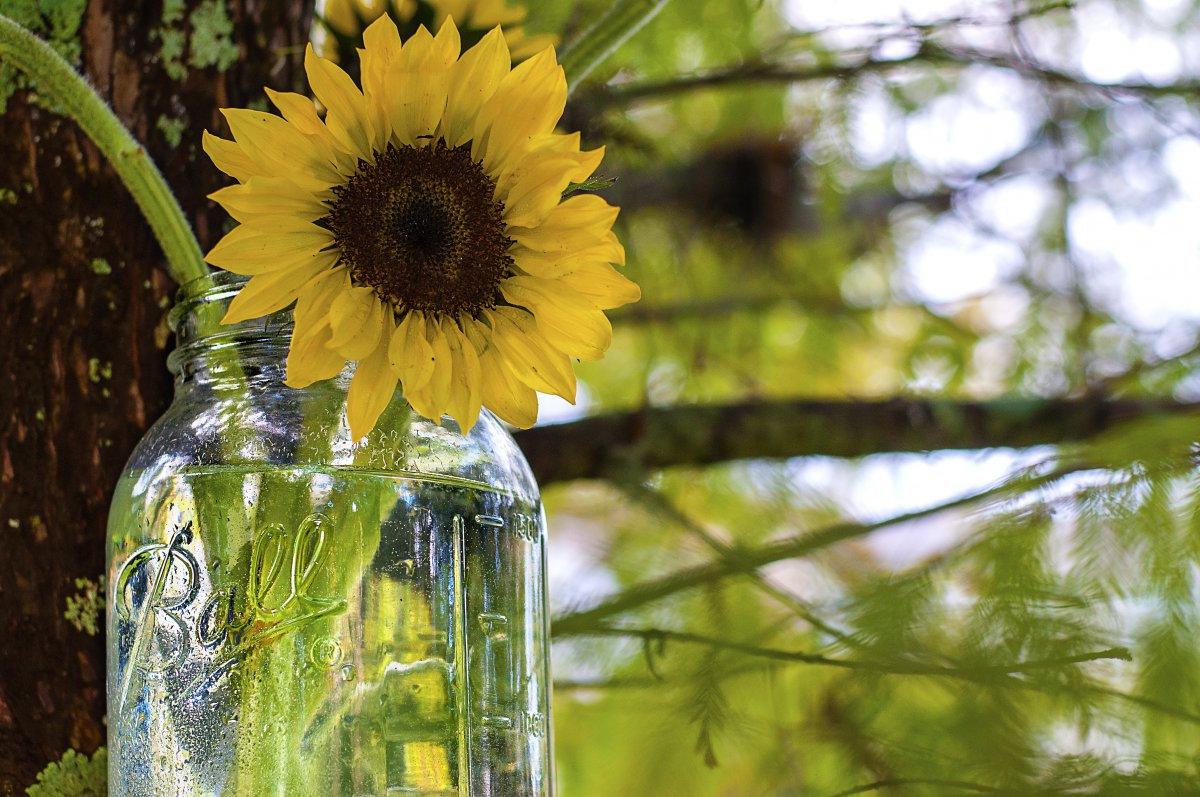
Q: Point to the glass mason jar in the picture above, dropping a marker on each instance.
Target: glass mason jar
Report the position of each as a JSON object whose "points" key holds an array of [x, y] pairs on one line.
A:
{"points": [[291, 612]]}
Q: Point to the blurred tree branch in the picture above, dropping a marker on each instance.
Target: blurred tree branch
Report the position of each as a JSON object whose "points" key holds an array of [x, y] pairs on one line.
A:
{"points": [[661, 635], [869, 61], [890, 783], [659, 437], [661, 505], [740, 561]]}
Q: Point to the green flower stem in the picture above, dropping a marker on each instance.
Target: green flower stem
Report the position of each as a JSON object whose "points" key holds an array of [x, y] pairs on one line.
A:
{"points": [[57, 80], [623, 19]]}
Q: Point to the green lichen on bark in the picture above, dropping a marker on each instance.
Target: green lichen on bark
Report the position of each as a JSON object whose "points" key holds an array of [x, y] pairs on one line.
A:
{"points": [[173, 42], [57, 21], [212, 37], [173, 11], [84, 607], [172, 129], [210, 42], [75, 775], [98, 371]]}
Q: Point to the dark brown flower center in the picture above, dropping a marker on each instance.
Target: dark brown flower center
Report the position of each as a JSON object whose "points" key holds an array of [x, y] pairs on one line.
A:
{"points": [[422, 228]]}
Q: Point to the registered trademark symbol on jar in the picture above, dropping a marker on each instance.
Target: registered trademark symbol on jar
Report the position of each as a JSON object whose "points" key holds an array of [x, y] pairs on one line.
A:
{"points": [[326, 652]]}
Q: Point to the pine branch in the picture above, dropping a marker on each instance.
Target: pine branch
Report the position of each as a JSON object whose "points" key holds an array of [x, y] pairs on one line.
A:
{"points": [[870, 62], [606, 446], [660, 635], [1148, 703], [893, 782], [746, 560], [660, 504]]}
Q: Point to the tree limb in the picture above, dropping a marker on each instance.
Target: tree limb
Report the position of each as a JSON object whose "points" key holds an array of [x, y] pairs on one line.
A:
{"points": [[928, 53], [659, 437]]}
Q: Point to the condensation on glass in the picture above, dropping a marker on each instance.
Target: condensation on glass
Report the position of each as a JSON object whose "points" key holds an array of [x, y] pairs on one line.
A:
{"points": [[293, 613]]}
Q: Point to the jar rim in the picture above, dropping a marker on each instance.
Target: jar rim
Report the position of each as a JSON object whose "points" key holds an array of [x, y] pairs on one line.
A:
{"points": [[203, 342], [212, 287]]}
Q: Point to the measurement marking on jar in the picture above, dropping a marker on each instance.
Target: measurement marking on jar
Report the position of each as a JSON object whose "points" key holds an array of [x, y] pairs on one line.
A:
{"points": [[494, 721], [531, 722], [493, 625], [526, 527]]}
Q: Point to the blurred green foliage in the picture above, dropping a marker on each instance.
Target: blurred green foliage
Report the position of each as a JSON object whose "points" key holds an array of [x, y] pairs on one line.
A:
{"points": [[1039, 638]]}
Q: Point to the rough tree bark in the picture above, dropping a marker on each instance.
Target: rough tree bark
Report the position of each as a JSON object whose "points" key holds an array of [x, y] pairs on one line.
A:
{"points": [[83, 336], [625, 444]]}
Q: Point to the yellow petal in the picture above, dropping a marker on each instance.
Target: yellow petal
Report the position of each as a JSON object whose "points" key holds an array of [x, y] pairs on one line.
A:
{"points": [[248, 249], [504, 394], [282, 149], [580, 220], [371, 390], [381, 48], [268, 196], [417, 83], [486, 13], [376, 331], [528, 103], [586, 162], [311, 360], [553, 147], [465, 385], [557, 263], [316, 297], [566, 319], [442, 379], [263, 295], [472, 81], [352, 315], [500, 391], [523, 46], [405, 9], [430, 399], [602, 285], [342, 16], [410, 354], [537, 192], [459, 10], [534, 361], [346, 117], [229, 157], [301, 113]]}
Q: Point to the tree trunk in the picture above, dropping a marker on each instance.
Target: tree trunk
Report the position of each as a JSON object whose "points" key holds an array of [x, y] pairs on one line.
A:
{"points": [[83, 337]]}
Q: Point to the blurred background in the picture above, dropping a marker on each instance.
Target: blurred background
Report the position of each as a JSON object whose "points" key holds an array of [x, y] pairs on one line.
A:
{"points": [[940, 263]]}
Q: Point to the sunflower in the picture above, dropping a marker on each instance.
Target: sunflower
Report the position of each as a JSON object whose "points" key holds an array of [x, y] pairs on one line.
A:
{"points": [[420, 228], [340, 34]]}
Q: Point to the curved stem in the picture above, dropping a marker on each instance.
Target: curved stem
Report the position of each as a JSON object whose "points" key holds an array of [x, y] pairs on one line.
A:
{"points": [[57, 80], [623, 19]]}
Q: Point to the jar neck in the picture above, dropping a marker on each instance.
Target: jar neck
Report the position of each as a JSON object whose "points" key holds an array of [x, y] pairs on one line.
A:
{"points": [[251, 353]]}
